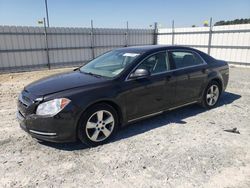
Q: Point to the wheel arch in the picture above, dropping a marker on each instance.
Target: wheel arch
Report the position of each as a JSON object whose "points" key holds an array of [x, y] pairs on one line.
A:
{"points": [[104, 101], [114, 105], [219, 81], [212, 77]]}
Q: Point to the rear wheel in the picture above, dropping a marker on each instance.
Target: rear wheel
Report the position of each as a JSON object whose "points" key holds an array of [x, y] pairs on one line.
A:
{"points": [[98, 125], [211, 95]]}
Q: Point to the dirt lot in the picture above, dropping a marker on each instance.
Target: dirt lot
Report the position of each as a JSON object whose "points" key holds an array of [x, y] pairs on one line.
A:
{"points": [[183, 148]]}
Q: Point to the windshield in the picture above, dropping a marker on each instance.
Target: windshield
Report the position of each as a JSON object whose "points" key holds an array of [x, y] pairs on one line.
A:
{"points": [[109, 64]]}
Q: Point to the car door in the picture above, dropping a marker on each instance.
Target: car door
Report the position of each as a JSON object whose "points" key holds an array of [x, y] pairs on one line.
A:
{"points": [[148, 95], [190, 72]]}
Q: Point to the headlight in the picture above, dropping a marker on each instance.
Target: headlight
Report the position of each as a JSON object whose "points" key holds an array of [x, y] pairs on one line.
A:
{"points": [[52, 107]]}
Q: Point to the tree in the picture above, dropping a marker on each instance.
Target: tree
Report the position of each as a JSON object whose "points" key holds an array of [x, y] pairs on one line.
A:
{"points": [[232, 22]]}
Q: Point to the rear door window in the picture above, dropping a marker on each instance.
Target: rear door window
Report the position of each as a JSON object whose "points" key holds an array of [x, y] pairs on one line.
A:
{"points": [[183, 59]]}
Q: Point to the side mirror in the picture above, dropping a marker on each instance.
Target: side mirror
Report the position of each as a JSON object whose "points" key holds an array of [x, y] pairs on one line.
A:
{"points": [[140, 73]]}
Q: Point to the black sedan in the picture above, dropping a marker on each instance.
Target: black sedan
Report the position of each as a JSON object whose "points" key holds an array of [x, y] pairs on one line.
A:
{"points": [[119, 87]]}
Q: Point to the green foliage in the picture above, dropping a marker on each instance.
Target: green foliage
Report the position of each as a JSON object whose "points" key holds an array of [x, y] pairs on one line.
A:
{"points": [[233, 22]]}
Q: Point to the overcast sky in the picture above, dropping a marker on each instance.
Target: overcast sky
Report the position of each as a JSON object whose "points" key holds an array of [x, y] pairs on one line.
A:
{"points": [[115, 13]]}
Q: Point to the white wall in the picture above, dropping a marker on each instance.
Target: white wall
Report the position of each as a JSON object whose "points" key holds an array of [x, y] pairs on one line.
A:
{"points": [[227, 41]]}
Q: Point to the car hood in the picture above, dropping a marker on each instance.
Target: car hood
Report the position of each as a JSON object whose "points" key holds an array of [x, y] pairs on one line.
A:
{"points": [[61, 82]]}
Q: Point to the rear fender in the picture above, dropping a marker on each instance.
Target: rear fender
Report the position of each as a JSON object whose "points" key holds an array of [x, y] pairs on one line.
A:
{"points": [[214, 75]]}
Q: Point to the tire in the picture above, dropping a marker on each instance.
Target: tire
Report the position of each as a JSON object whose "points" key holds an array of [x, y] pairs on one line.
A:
{"points": [[211, 95], [98, 125]]}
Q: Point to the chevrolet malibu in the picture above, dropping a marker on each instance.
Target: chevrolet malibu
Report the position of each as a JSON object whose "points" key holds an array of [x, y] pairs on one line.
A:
{"points": [[119, 87]]}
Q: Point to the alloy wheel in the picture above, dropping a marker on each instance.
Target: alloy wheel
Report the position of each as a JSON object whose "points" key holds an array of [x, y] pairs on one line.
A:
{"points": [[212, 95], [100, 125]]}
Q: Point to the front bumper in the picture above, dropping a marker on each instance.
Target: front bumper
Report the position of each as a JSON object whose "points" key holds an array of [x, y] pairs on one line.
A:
{"points": [[61, 127], [58, 128]]}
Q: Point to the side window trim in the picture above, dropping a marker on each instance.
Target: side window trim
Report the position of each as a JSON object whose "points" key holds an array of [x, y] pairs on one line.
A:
{"points": [[172, 69]]}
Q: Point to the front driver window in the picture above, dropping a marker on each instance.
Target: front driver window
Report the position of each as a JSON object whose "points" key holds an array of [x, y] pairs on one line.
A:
{"points": [[156, 63]]}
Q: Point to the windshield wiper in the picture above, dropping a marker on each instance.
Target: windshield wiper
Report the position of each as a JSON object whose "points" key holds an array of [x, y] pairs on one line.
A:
{"points": [[92, 74], [75, 69]]}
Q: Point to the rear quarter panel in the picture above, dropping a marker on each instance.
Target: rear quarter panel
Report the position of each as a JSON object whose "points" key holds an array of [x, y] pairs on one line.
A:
{"points": [[222, 70]]}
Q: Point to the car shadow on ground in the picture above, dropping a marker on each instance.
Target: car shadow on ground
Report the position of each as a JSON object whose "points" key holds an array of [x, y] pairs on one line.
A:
{"points": [[177, 116]]}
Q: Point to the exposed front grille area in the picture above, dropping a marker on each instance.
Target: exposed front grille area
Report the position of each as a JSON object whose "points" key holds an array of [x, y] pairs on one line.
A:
{"points": [[21, 102], [25, 103], [24, 100], [20, 115]]}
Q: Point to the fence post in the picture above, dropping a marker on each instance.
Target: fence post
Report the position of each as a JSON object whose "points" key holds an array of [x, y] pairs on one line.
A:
{"points": [[155, 33], [47, 12], [210, 36], [46, 42], [173, 32], [126, 35], [92, 40]]}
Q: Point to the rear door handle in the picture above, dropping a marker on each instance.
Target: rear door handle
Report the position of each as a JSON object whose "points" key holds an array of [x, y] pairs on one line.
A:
{"points": [[168, 77]]}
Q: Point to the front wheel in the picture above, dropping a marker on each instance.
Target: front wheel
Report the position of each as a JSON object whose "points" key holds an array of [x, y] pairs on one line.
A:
{"points": [[98, 125], [211, 95]]}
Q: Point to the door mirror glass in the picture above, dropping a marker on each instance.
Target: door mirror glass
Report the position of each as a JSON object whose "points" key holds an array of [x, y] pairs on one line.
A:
{"points": [[140, 73]]}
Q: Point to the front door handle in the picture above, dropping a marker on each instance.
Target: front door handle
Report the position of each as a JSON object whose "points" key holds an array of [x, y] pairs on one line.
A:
{"points": [[204, 70]]}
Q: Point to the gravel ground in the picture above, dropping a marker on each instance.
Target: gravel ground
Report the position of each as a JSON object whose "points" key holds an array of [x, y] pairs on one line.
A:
{"points": [[187, 147]]}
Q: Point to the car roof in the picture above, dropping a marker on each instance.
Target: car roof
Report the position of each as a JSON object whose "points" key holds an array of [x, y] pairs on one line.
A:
{"points": [[151, 48]]}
